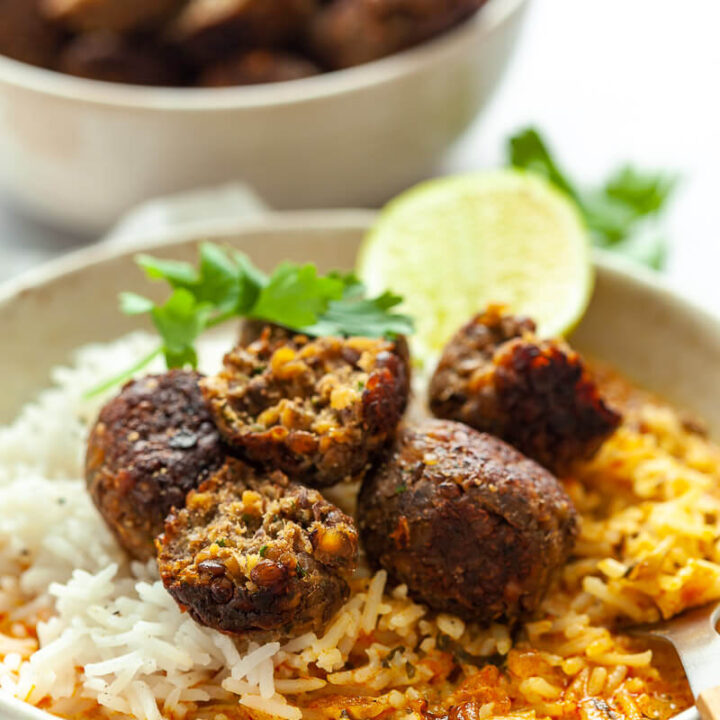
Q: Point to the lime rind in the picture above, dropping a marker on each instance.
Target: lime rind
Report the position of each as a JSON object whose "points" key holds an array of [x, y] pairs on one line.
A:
{"points": [[453, 245]]}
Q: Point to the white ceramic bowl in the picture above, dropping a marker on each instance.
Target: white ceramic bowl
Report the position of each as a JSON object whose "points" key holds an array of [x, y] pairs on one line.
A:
{"points": [[633, 322], [78, 153]]}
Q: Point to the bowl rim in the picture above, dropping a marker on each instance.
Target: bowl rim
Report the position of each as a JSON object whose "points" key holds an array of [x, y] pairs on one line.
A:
{"points": [[343, 219], [377, 72]]}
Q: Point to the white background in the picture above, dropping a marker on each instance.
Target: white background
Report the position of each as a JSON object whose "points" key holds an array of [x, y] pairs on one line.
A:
{"points": [[608, 81]]}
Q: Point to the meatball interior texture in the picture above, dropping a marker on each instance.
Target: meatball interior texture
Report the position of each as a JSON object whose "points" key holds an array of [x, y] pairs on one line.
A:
{"points": [[252, 330], [150, 446], [497, 376], [471, 525], [258, 555], [318, 409]]}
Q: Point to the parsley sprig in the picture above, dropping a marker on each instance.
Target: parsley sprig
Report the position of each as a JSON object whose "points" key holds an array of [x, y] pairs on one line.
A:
{"points": [[621, 214], [226, 285]]}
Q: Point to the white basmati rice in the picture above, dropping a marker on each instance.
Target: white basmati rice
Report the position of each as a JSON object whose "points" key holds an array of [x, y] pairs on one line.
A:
{"points": [[139, 654]]}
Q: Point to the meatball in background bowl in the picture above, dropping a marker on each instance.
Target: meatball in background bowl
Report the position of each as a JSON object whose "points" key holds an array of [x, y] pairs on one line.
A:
{"points": [[78, 153]]}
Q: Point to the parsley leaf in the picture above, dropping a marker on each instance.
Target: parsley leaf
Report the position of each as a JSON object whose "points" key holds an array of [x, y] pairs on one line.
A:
{"points": [[295, 295], [133, 304], [180, 321], [528, 151], [645, 192], [177, 273], [225, 279], [226, 285], [369, 317], [620, 214], [254, 281], [219, 282]]}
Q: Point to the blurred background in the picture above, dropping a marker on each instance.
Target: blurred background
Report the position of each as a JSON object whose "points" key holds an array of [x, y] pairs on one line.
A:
{"points": [[606, 82]]}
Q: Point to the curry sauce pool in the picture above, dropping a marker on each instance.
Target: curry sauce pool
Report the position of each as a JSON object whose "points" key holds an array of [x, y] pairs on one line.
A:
{"points": [[85, 633]]}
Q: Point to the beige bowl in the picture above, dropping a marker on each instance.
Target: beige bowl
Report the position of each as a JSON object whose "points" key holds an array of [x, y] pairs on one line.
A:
{"points": [[78, 153], [633, 322]]}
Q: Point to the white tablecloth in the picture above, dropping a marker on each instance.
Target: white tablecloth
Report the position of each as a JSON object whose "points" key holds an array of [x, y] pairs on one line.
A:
{"points": [[607, 81]]}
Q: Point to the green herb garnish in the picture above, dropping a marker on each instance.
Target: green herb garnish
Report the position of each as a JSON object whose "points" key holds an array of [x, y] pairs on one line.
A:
{"points": [[226, 285], [262, 550], [389, 657], [621, 214]]}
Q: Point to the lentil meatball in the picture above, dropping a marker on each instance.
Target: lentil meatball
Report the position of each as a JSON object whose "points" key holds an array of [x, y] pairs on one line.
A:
{"points": [[25, 34], [471, 525], [258, 555], [350, 32], [210, 31], [497, 376], [150, 446], [257, 67], [115, 58], [112, 15], [318, 409]]}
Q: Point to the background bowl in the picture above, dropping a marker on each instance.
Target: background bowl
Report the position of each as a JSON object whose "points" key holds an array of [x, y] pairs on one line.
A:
{"points": [[78, 153]]}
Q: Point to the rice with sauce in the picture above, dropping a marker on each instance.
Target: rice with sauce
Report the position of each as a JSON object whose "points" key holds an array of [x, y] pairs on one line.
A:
{"points": [[86, 634]]}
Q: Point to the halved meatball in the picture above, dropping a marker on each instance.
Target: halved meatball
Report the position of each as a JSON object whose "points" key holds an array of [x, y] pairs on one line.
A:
{"points": [[258, 554], [209, 30], [25, 34], [497, 376], [257, 67], [150, 446], [112, 57], [350, 32], [472, 526], [252, 330], [111, 15], [318, 409]]}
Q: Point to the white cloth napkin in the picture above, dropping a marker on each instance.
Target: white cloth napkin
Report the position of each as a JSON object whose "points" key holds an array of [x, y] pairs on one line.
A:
{"points": [[197, 212]]}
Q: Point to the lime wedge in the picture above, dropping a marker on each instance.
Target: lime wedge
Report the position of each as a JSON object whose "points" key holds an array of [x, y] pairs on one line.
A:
{"points": [[453, 245]]}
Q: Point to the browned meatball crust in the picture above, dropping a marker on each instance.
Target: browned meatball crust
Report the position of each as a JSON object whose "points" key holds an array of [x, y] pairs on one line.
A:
{"points": [[150, 446], [25, 34], [351, 32], [210, 31], [253, 554], [472, 526], [318, 409], [110, 15], [497, 376], [111, 57], [257, 67]]}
